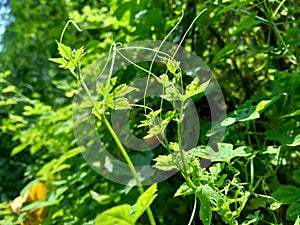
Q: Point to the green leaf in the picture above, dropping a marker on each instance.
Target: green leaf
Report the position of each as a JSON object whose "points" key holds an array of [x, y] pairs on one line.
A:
{"points": [[272, 150], [27, 187], [223, 53], [262, 105], [111, 83], [8, 102], [296, 141], [144, 123], [37, 205], [253, 218], [226, 153], [120, 104], [296, 175], [101, 198], [228, 121], [205, 209], [56, 165], [54, 198], [246, 23], [297, 222], [295, 113], [155, 131], [126, 214], [19, 148], [221, 206], [100, 88], [293, 212], [64, 51], [157, 125], [153, 114], [287, 194], [194, 88], [165, 162], [244, 114], [144, 201], [174, 146], [63, 63], [114, 100], [173, 66], [249, 116], [107, 87], [173, 94], [86, 104], [79, 53], [9, 88], [164, 80], [275, 135], [116, 215], [202, 151], [122, 90], [232, 6], [184, 190], [213, 195]]}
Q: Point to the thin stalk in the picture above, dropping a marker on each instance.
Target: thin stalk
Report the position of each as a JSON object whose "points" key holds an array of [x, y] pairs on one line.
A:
{"points": [[127, 159], [184, 172], [64, 30], [193, 212], [155, 55], [251, 175], [277, 9], [187, 31]]}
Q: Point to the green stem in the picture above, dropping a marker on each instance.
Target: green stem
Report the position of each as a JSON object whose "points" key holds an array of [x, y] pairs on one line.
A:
{"points": [[251, 175], [184, 172], [102, 117], [127, 159]]}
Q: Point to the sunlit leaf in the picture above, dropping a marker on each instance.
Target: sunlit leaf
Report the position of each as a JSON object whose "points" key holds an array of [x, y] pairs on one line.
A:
{"points": [[165, 162], [63, 63], [79, 53], [194, 88], [121, 103], [56, 165], [295, 113], [164, 80], [296, 141], [101, 198], [64, 51], [297, 222], [173, 94], [122, 90], [262, 105], [19, 148], [228, 121]]}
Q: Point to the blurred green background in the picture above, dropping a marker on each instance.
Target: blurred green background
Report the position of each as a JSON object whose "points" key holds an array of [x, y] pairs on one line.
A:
{"points": [[252, 47]]}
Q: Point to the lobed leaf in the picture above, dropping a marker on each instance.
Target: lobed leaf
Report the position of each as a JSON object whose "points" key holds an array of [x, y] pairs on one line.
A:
{"points": [[64, 51], [287, 194]]}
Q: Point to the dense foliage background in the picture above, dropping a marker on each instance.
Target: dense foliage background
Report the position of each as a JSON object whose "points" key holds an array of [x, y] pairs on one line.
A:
{"points": [[252, 47]]}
